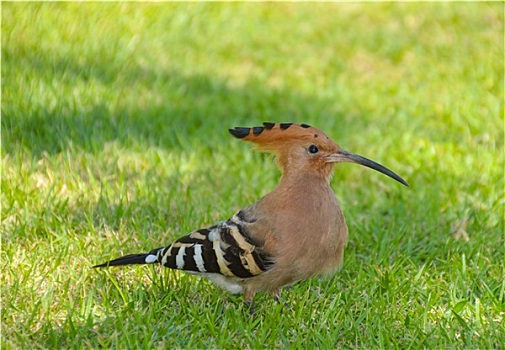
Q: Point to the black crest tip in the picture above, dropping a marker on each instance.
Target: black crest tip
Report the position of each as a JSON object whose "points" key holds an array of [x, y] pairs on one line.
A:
{"points": [[269, 125], [258, 130], [240, 132], [284, 126]]}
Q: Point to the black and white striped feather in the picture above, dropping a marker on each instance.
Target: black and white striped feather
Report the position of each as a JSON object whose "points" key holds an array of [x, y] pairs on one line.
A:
{"points": [[224, 253]]}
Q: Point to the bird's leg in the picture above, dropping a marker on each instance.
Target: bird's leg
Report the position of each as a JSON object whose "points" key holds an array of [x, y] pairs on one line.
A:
{"points": [[248, 297], [276, 293]]}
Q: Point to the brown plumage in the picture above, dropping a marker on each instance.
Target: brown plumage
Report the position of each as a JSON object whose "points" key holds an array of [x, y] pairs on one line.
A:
{"points": [[295, 232]]}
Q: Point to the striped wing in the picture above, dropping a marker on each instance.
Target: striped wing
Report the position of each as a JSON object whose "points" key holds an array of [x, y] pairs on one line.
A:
{"points": [[226, 249]]}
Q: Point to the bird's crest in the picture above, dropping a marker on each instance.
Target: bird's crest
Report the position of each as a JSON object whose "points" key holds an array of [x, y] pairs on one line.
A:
{"points": [[273, 136]]}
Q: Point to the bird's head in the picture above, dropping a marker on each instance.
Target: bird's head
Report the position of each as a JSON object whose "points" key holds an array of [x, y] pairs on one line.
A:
{"points": [[302, 148]]}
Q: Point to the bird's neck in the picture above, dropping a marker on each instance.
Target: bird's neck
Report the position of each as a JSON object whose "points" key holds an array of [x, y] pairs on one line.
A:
{"points": [[303, 183], [297, 178], [301, 196]]}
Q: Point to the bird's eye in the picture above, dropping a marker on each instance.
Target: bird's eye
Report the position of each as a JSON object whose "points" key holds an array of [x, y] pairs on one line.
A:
{"points": [[313, 149]]}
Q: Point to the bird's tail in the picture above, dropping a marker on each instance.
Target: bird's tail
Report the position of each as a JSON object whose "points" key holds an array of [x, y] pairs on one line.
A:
{"points": [[134, 259]]}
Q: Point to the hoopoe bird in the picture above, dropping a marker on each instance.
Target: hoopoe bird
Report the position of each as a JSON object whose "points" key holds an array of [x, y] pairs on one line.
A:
{"points": [[295, 232]]}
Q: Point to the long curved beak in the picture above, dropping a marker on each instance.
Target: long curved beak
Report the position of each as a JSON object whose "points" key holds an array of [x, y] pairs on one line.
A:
{"points": [[344, 156]]}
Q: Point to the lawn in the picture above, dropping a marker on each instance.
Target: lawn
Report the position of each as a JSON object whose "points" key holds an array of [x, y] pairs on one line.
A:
{"points": [[114, 141]]}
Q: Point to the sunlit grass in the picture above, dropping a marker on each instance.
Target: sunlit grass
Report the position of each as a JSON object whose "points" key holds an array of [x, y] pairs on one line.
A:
{"points": [[114, 140]]}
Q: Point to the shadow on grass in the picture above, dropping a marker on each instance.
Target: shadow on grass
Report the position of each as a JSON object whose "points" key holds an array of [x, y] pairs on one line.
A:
{"points": [[143, 105]]}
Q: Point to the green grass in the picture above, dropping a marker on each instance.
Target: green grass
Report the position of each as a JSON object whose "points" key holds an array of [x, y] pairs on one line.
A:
{"points": [[114, 140]]}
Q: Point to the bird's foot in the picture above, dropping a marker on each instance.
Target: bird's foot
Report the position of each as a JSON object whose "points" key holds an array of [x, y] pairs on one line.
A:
{"points": [[248, 297], [251, 307], [277, 297]]}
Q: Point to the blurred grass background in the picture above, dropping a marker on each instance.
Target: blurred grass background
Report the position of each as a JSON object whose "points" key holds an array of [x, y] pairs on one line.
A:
{"points": [[114, 140]]}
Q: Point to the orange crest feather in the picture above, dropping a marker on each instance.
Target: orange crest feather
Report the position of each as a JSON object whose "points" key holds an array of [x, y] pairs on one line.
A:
{"points": [[273, 136]]}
